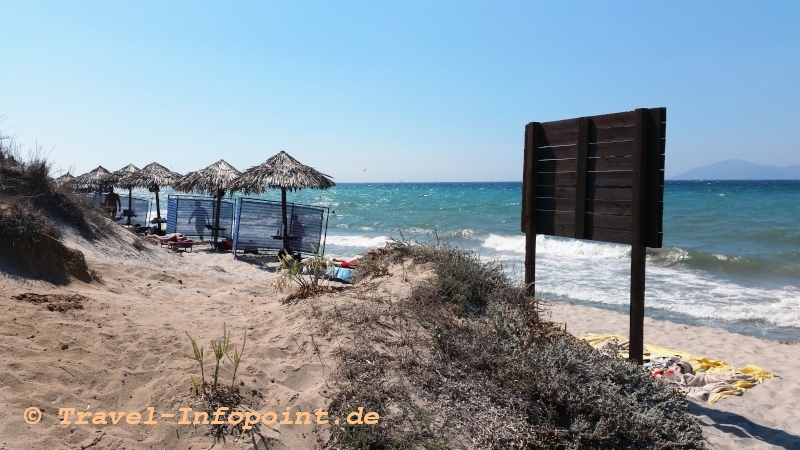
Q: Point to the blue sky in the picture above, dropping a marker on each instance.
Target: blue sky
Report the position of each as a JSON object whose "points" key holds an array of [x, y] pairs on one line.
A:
{"points": [[390, 91]]}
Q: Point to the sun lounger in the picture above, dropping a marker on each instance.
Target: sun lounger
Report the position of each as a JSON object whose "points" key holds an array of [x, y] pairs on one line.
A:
{"points": [[181, 245]]}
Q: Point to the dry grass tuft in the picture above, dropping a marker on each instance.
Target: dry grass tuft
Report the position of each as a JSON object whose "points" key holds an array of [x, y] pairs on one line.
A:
{"points": [[311, 290]]}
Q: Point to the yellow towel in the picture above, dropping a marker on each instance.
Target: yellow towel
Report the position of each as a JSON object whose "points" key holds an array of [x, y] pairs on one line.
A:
{"points": [[698, 363]]}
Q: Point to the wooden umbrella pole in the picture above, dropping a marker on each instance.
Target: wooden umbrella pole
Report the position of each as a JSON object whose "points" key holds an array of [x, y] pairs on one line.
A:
{"points": [[220, 193], [285, 228], [158, 213], [130, 194]]}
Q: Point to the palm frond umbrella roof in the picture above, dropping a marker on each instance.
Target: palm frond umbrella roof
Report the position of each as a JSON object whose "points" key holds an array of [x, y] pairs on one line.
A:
{"points": [[209, 180], [94, 179], [67, 178], [119, 177], [151, 176], [280, 172]]}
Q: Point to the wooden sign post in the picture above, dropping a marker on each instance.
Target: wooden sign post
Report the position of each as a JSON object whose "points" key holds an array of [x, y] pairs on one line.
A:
{"points": [[599, 178]]}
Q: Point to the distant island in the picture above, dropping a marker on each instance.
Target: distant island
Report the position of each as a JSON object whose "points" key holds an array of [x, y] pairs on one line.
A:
{"points": [[737, 169]]}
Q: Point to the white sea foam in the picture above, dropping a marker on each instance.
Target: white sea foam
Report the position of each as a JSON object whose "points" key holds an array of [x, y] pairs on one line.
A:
{"points": [[357, 241], [599, 272], [561, 247], [692, 293]]}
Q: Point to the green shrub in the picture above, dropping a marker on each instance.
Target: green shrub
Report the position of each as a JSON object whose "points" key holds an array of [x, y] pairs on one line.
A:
{"points": [[489, 373]]}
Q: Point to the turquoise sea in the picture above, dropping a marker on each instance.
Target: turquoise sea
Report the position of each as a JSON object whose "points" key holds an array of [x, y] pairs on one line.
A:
{"points": [[731, 255]]}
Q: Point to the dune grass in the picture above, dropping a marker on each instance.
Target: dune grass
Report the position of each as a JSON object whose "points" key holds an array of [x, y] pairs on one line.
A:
{"points": [[466, 362], [31, 205]]}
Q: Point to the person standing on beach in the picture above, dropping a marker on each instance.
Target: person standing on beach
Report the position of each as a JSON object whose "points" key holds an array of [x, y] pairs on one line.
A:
{"points": [[112, 203], [200, 216]]}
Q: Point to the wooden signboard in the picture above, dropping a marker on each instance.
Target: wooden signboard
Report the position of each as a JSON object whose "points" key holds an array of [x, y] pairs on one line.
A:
{"points": [[599, 178]]}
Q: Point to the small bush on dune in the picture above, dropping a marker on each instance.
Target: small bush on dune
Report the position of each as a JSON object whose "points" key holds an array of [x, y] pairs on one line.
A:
{"points": [[470, 346], [30, 204]]}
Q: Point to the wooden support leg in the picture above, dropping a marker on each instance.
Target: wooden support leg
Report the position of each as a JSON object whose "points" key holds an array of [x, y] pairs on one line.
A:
{"points": [[638, 254]]}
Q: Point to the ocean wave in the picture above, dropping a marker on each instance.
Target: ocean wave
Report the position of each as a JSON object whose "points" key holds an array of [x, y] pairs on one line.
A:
{"points": [[712, 262], [675, 291], [466, 233], [554, 246], [357, 241]]}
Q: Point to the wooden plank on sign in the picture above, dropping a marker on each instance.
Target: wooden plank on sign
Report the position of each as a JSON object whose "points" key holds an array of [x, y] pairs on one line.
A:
{"points": [[558, 165], [610, 163], [610, 193], [563, 152], [555, 223], [608, 235], [555, 204], [558, 127], [620, 178], [610, 221], [654, 193], [555, 191], [580, 178], [617, 207], [544, 217], [559, 139], [556, 178], [532, 141], [624, 119], [604, 149]]}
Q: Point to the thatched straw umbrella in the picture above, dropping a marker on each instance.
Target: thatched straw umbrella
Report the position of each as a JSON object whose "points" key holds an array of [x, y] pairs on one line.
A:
{"points": [[66, 179], [118, 178], [211, 180], [284, 172], [95, 179], [153, 176]]}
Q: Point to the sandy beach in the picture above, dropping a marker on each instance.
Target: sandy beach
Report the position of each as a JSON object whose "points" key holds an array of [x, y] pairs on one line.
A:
{"points": [[124, 351], [765, 416]]}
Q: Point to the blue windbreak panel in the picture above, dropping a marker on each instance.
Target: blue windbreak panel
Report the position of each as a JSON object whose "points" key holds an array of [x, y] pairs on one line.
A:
{"points": [[172, 205], [98, 198], [305, 227], [140, 208], [259, 223], [194, 215]]}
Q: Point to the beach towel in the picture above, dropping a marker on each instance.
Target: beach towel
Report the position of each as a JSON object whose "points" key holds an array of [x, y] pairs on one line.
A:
{"points": [[713, 378], [340, 274]]}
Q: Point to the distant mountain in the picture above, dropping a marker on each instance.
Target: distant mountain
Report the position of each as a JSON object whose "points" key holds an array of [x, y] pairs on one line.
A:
{"points": [[737, 169]]}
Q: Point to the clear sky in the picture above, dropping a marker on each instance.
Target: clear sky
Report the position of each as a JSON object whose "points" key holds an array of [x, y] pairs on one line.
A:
{"points": [[390, 91]]}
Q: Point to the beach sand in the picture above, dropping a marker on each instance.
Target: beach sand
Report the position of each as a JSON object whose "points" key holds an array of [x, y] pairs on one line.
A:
{"points": [[124, 351], [766, 416]]}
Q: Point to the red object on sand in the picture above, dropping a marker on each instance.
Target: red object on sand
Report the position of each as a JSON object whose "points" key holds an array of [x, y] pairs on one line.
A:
{"points": [[225, 245]]}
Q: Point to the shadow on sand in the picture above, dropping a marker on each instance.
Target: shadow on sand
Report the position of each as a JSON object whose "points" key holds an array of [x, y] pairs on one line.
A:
{"points": [[742, 427]]}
